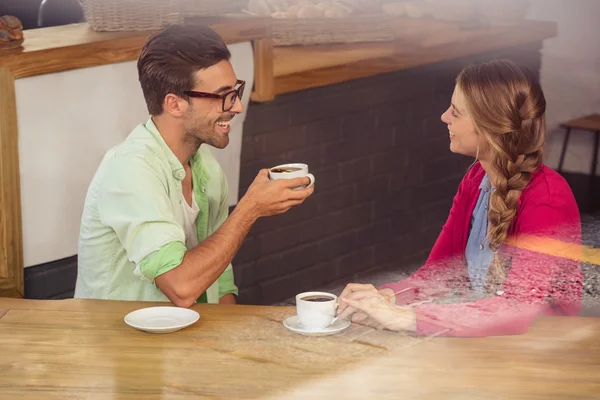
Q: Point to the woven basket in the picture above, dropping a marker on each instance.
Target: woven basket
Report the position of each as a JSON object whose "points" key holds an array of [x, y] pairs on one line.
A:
{"points": [[193, 8], [306, 31], [130, 15], [144, 15]]}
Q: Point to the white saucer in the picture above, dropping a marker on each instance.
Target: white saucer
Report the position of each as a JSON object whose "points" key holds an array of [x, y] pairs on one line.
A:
{"points": [[293, 325], [161, 319]]}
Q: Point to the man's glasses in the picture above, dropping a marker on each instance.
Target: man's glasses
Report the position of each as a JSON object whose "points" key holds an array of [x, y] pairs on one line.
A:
{"points": [[228, 98]]}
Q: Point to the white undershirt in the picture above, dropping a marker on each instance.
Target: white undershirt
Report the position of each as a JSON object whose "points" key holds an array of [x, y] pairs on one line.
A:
{"points": [[189, 222], [191, 240]]}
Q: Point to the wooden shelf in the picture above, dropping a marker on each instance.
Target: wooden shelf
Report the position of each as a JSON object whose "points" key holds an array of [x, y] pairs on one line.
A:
{"points": [[419, 42]]}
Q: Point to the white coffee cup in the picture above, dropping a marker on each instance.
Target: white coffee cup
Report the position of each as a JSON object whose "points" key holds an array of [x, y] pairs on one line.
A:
{"points": [[291, 171], [313, 314]]}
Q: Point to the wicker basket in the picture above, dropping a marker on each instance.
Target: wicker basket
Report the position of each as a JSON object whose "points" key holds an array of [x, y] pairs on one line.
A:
{"points": [[130, 15], [143, 15], [305, 31], [194, 8]]}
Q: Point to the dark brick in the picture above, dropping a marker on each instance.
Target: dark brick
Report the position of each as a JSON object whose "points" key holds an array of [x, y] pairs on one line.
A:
{"points": [[391, 162], [418, 82], [435, 214], [445, 78], [326, 107], [245, 274], [311, 156], [408, 134], [405, 222], [396, 249], [406, 179], [54, 279], [322, 132], [430, 193], [385, 252], [342, 151], [268, 266], [301, 212], [348, 218], [288, 262], [429, 236], [249, 250], [393, 113], [250, 295], [426, 150], [433, 127], [335, 246], [388, 206], [314, 229], [248, 149], [445, 168], [374, 233], [375, 188], [379, 140], [334, 200], [281, 141], [267, 117], [360, 124], [356, 170], [326, 178], [441, 102], [356, 261]]}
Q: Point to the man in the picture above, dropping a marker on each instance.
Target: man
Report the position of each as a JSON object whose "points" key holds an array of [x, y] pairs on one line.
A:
{"points": [[155, 224]]}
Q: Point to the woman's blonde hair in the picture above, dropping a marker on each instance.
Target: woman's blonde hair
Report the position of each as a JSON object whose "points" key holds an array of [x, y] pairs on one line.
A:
{"points": [[507, 107]]}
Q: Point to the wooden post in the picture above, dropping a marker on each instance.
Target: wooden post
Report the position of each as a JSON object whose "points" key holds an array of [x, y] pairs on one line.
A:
{"points": [[11, 231], [264, 86]]}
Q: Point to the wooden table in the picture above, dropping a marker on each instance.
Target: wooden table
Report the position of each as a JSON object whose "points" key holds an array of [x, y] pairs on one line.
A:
{"points": [[80, 349]]}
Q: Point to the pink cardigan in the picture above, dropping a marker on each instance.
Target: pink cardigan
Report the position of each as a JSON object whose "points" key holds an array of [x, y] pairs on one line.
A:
{"points": [[536, 284]]}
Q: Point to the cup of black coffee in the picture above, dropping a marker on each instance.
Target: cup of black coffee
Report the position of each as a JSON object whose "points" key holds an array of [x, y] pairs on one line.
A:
{"points": [[316, 310], [291, 171]]}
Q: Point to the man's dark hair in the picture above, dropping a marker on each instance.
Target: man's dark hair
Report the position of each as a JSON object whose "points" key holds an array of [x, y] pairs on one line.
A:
{"points": [[170, 58]]}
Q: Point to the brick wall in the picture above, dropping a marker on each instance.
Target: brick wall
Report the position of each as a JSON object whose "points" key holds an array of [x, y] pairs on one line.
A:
{"points": [[385, 177]]}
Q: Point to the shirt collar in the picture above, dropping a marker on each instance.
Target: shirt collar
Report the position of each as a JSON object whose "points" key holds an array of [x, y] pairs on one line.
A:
{"points": [[176, 166], [485, 184]]}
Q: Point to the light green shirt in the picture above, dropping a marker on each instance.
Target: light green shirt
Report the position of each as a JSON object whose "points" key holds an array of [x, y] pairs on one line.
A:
{"points": [[132, 224]]}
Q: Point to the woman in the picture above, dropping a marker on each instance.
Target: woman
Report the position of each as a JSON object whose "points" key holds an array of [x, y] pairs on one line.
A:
{"points": [[507, 199]]}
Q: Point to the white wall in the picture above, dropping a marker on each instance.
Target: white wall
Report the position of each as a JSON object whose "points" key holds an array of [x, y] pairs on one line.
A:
{"points": [[570, 75], [67, 121]]}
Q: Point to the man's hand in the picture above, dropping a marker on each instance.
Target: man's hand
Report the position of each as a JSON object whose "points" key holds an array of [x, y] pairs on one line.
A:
{"points": [[270, 197]]}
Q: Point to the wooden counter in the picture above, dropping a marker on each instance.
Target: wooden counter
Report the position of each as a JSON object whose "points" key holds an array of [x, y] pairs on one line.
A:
{"points": [[419, 42]]}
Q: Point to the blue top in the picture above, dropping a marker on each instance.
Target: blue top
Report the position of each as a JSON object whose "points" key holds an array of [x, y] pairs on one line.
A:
{"points": [[478, 253]]}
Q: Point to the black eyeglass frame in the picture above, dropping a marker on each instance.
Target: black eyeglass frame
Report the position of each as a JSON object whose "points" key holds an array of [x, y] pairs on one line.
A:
{"points": [[239, 92]]}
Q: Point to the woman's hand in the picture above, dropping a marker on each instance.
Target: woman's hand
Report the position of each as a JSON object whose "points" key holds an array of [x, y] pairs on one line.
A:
{"points": [[344, 310], [365, 301]]}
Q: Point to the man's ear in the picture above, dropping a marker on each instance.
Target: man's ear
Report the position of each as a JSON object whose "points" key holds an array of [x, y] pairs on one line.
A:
{"points": [[175, 105]]}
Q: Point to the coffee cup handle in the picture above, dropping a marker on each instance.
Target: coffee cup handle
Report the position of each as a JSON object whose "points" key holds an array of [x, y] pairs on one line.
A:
{"points": [[312, 180]]}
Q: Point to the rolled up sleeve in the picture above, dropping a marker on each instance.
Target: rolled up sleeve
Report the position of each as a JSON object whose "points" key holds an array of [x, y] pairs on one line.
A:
{"points": [[134, 202]]}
